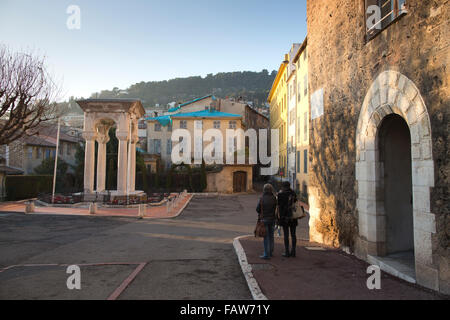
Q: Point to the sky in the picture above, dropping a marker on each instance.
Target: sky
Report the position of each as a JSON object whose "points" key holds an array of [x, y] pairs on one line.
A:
{"points": [[120, 43]]}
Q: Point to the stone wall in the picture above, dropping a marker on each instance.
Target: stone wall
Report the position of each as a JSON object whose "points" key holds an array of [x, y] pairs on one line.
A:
{"points": [[345, 65]]}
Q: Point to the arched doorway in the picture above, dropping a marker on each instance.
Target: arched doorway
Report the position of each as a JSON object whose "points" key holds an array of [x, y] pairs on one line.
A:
{"points": [[239, 181], [393, 109], [394, 143]]}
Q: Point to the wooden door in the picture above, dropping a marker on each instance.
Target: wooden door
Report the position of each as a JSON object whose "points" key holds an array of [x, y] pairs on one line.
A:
{"points": [[239, 181]]}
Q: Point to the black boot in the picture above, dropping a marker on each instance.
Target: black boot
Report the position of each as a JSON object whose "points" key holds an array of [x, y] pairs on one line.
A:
{"points": [[286, 252], [294, 244], [293, 252]]}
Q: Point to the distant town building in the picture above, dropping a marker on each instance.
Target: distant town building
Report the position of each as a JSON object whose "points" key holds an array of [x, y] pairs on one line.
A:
{"points": [[28, 152]]}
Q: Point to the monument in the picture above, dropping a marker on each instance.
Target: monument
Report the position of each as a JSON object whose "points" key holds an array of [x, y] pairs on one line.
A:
{"points": [[99, 116]]}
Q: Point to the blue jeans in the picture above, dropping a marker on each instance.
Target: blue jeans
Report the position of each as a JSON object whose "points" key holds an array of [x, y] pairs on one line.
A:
{"points": [[268, 239]]}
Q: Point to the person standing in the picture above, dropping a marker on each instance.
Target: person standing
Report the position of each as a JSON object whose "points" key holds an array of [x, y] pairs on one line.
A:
{"points": [[266, 208], [286, 202]]}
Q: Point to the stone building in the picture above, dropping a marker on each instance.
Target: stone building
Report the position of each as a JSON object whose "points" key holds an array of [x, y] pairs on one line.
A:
{"points": [[28, 152], [379, 137]]}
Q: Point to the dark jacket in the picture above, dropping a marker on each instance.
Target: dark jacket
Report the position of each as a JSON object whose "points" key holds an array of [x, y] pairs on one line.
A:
{"points": [[269, 205], [286, 202]]}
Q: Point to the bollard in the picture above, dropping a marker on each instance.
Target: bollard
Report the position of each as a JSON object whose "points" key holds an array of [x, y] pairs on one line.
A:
{"points": [[93, 208], [29, 207], [142, 209]]}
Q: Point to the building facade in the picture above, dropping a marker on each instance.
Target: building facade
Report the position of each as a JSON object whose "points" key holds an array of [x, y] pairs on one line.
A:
{"points": [[379, 162], [160, 131], [292, 114], [28, 152], [278, 113], [302, 121]]}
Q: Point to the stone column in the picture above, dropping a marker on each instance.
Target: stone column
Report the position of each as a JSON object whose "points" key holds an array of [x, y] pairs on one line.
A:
{"points": [[132, 172], [122, 159], [89, 161], [101, 161]]}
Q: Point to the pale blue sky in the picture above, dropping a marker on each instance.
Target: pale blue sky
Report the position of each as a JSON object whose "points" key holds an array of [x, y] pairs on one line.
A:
{"points": [[124, 42]]}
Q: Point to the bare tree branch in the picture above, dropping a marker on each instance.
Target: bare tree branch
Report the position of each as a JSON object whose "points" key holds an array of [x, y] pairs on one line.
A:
{"points": [[27, 94]]}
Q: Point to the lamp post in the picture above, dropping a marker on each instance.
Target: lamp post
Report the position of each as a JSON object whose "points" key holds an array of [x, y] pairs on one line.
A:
{"points": [[56, 160]]}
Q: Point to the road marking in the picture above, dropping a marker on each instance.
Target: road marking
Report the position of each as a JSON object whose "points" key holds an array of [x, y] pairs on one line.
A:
{"points": [[190, 238], [126, 282]]}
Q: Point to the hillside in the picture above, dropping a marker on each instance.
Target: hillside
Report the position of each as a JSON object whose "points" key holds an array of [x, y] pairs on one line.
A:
{"points": [[251, 86]]}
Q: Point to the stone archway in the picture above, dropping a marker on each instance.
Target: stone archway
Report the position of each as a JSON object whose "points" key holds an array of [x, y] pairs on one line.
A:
{"points": [[393, 93], [99, 116]]}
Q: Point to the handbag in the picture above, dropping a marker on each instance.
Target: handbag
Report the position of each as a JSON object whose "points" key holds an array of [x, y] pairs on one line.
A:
{"points": [[298, 212], [260, 229]]}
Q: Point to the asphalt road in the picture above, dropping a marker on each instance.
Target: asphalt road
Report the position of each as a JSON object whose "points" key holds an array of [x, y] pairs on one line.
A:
{"points": [[190, 257]]}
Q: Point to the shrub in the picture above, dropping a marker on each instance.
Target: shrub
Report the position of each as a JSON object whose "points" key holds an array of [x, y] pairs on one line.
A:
{"points": [[26, 187]]}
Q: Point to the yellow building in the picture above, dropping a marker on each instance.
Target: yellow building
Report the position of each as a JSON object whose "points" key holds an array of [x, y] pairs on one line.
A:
{"points": [[302, 121], [278, 112], [160, 131]]}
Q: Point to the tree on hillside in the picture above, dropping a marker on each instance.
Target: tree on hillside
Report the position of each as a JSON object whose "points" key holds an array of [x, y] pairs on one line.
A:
{"points": [[252, 86], [27, 94]]}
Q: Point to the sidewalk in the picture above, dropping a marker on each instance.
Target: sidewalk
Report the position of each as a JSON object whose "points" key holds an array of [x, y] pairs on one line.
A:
{"points": [[320, 273]]}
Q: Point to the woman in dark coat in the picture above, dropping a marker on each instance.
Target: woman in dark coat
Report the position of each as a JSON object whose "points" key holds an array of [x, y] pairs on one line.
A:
{"points": [[286, 201], [266, 208]]}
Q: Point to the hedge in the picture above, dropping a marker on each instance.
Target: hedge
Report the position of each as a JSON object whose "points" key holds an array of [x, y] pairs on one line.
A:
{"points": [[26, 187]]}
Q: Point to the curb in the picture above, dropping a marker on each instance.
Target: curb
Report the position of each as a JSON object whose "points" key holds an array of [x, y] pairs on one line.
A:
{"points": [[179, 211], [247, 270]]}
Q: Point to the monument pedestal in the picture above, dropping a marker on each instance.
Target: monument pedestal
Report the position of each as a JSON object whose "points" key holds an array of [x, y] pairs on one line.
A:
{"points": [[112, 195]]}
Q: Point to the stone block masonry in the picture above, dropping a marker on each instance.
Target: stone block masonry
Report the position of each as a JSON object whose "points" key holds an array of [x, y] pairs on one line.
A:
{"points": [[403, 71]]}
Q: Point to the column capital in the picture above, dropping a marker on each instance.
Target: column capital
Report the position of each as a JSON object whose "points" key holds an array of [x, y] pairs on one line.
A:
{"points": [[134, 139], [103, 138], [89, 135], [122, 135]]}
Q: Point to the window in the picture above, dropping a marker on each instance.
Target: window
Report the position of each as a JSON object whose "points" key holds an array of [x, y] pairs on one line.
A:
{"points": [[157, 126], [305, 126], [157, 146], [198, 124], [169, 146], [47, 153], [298, 161], [216, 124], [61, 149], [306, 84], [38, 153], [381, 13], [232, 124], [183, 124], [305, 161], [30, 153], [299, 95]]}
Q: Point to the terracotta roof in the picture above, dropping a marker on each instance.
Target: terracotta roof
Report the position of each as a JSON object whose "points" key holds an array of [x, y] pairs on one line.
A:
{"points": [[9, 170], [39, 141]]}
